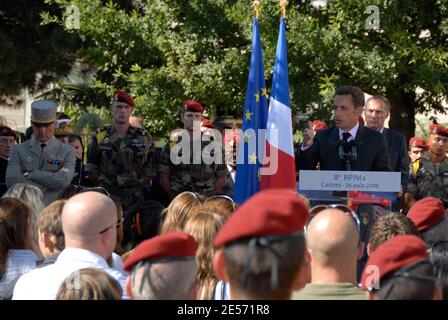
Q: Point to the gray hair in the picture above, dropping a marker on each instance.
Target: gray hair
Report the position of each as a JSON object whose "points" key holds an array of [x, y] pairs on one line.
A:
{"points": [[31, 195], [384, 100]]}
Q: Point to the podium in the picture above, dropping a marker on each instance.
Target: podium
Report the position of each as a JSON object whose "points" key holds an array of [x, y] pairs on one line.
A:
{"points": [[369, 193]]}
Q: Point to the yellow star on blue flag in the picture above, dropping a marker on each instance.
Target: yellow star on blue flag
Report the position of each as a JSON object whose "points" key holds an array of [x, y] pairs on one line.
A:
{"points": [[255, 117]]}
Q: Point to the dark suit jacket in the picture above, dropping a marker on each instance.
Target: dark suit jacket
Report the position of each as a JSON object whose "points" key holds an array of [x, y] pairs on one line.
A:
{"points": [[372, 151], [398, 152]]}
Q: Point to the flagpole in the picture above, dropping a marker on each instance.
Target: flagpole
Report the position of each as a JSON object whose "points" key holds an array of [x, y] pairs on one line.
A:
{"points": [[283, 4], [256, 5]]}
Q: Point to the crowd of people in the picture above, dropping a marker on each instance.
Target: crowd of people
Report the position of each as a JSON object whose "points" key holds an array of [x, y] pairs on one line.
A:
{"points": [[128, 221]]}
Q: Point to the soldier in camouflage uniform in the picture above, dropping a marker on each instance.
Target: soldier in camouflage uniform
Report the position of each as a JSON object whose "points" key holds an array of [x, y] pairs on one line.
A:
{"points": [[431, 177], [194, 174], [119, 159], [119, 156]]}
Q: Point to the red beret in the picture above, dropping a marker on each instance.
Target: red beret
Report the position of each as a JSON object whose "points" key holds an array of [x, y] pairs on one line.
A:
{"points": [[268, 213], [192, 106], [6, 132], [426, 213], [318, 125], [418, 142], [208, 124], [170, 245], [392, 255], [438, 129], [123, 96]]}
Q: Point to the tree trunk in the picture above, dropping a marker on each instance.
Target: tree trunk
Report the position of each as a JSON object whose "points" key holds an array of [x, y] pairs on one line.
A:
{"points": [[402, 113]]}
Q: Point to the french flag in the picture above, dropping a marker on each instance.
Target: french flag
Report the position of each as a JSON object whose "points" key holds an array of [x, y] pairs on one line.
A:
{"points": [[279, 169]]}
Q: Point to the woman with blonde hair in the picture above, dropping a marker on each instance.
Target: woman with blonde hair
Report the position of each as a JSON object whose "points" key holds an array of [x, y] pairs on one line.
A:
{"points": [[89, 284], [178, 212], [203, 226], [18, 251], [32, 196]]}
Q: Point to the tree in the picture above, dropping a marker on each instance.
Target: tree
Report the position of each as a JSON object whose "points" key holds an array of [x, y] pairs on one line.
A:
{"points": [[166, 51], [335, 45], [31, 55]]}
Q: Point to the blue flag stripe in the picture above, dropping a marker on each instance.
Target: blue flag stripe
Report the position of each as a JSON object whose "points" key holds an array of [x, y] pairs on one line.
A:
{"points": [[255, 117]]}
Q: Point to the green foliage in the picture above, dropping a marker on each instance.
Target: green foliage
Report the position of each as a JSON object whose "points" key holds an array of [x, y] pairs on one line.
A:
{"points": [[164, 51], [32, 55]]}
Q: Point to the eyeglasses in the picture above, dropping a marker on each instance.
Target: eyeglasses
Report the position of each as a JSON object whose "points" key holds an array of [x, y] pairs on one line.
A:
{"points": [[222, 197], [116, 225], [346, 209]]}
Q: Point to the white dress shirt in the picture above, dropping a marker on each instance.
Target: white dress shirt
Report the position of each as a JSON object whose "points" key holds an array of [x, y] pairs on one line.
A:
{"points": [[44, 283], [353, 131]]}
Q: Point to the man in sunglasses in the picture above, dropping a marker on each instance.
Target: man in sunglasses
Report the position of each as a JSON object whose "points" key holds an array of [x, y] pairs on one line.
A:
{"points": [[399, 269], [89, 223], [43, 160], [334, 247]]}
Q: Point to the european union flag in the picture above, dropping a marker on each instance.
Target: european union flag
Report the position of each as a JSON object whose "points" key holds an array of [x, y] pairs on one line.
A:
{"points": [[255, 117]]}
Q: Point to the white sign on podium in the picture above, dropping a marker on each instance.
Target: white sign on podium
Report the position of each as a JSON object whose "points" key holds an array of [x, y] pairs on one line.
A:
{"points": [[365, 181]]}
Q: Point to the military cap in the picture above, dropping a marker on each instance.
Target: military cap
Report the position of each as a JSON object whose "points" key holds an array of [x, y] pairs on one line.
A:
{"points": [[438, 129], [43, 111], [122, 96], [400, 252], [426, 212], [63, 127], [318, 125], [192, 106], [6, 132], [268, 213], [418, 142], [168, 246]]}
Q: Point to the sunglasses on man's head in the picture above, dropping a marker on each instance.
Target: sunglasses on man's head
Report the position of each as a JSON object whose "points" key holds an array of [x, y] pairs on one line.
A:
{"points": [[94, 189], [115, 225], [222, 197], [342, 207]]}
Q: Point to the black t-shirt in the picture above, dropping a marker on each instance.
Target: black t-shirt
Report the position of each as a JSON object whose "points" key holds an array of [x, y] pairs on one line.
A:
{"points": [[3, 165]]}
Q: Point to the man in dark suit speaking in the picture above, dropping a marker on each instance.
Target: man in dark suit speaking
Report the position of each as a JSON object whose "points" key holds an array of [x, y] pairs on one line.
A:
{"points": [[366, 148]]}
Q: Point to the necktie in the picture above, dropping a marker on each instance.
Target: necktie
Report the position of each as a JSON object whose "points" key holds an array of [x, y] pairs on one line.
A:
{"points": [[41, 157], [345, 136]]}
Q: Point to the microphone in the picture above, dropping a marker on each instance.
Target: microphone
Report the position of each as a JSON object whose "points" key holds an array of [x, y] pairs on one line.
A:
{"points": [[341, 147], [353, 146]]}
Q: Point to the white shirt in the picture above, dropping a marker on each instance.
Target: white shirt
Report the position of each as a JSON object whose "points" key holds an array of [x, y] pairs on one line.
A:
{"points": [[44, 283], [353, 131], [18, 262]]}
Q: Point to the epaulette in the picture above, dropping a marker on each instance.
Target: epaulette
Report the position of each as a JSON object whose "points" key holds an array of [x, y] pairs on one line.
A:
{"points": [[415, 167], [101, 134]]}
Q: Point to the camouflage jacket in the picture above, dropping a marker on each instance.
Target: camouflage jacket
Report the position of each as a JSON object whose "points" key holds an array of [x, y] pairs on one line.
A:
{"points": [[121, 163], [430, 180], [194, 174]]}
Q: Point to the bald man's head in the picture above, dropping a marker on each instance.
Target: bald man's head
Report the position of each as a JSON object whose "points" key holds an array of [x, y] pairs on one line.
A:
{"points": [[85, 215], [332, 236]]}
